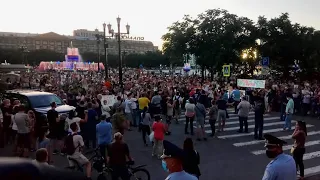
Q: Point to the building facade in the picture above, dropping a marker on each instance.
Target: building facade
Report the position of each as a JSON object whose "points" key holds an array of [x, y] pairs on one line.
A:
{"points": [[83, 39]]}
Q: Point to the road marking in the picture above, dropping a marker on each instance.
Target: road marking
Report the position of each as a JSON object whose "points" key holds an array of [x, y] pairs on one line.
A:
{"points": [[237, 122], [235, 117], [262, 141], [251, 133], [311, 155], [287, 147], [250, 126], [312, 170]]}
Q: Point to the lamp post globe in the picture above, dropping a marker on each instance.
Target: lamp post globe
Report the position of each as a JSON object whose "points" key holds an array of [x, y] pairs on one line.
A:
{"points": [[109, 28], [128, 28], [118, 20]]}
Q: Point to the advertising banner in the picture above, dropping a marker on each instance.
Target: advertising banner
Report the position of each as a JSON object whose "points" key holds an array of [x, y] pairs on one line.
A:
{"points": [[251, 83]]}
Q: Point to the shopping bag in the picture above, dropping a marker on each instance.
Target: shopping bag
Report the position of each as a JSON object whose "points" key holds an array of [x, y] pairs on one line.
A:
{"points": [[151, 136]]}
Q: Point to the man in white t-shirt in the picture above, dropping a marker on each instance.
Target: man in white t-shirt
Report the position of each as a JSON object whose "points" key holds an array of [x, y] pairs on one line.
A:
{"points": [[77, 155], [72, 119], [128, 109]]}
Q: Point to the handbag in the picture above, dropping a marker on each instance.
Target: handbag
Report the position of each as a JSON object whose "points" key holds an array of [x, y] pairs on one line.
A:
{"points": [[189, 114], [292, 150], [151, 136]]}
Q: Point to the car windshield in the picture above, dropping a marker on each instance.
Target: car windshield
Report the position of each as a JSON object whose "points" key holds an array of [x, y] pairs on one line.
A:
{"points": [[44, 100]]}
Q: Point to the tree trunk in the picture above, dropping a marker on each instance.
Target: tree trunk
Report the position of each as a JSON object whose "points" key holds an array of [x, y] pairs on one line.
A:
{"points": [[211, 73], [202, 74]]}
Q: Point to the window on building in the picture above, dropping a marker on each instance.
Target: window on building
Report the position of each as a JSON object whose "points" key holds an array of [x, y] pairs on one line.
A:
{"points": [[44, 42]]}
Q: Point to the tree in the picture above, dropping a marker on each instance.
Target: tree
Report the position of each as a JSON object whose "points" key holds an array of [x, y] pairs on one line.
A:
{"points": [[12, 56], [176, 41], [217, 37], [149, 59], [284, 43]]}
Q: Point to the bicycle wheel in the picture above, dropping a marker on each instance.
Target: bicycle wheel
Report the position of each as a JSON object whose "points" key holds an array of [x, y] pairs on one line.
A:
{"points": [[140, 174]]}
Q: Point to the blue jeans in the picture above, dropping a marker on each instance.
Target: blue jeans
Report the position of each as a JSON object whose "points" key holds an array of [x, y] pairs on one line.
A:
{"points": [[287, 123], [135, 116]]}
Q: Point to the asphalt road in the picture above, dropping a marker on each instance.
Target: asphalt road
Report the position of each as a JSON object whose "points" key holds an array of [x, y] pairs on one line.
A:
{"points": [[228, 156]]}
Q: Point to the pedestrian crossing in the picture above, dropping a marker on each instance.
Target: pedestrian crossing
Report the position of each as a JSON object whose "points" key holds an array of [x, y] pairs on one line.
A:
{"points": [[274, 126]]}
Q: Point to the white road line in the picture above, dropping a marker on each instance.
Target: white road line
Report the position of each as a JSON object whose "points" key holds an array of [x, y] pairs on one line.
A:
{"points": [[287, 147], [311, 155], [312, 170], [250, 126], [236, 117], [252, 133], [262, 141]]}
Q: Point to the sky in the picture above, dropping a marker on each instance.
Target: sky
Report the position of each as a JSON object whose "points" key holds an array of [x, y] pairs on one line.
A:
{"points": [[147, 18]]}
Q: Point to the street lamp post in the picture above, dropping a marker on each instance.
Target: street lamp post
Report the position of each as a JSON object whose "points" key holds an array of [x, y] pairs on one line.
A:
{"points": [[105, 46], [98, 50], [25, 52], [118, 36]]}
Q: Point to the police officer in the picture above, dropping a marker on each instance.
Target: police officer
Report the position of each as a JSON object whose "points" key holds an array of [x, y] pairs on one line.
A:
{"points": [[172, 162], [282, 166]]}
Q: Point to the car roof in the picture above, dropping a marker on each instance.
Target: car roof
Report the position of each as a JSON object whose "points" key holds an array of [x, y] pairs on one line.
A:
{"points": [[27, 92]]}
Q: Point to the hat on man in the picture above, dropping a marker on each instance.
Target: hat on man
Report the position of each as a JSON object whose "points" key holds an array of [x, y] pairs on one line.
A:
{"points": [[273, 141], [171, 151]]}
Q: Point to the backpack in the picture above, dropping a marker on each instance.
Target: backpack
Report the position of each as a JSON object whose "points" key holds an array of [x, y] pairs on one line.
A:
{"points": [[69, 147], [258, 106]]}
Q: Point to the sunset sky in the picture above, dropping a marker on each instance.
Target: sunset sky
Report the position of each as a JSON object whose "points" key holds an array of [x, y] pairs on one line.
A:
{"points": [[148, 19]]}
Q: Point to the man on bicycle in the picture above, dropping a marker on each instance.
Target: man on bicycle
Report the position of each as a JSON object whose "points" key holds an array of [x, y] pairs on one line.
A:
{"points": [[73, 145], [117, 158]]}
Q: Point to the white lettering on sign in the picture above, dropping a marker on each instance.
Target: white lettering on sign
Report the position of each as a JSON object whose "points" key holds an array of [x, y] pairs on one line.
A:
{"points": [[132, 38]]}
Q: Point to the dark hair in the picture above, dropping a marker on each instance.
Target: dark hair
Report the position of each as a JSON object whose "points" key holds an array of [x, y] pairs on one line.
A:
{"points": [[119, 98], [41, 155], [21, 108], [89, 105], [303, 126], [213, 102], [157, 118], [191, 100], [145, 109], [53, 104], [71, 114], [73, 126], [188, 144]]}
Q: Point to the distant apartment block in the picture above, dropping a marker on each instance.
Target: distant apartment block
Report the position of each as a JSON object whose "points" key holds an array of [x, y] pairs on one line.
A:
{"points": [[83, 39]]}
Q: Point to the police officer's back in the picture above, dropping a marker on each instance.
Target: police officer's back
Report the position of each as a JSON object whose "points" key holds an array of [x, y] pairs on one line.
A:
{"points": [[172, 162], [282, 166]]}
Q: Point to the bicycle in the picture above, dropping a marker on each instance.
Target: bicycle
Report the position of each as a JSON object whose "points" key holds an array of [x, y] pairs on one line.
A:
{"points": [[79, 167], [133, 172], [98, 163]]}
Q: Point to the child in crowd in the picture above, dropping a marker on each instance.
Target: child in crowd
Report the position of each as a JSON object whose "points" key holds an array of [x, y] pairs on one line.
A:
{"points": [[44, 143], [159, 130]]}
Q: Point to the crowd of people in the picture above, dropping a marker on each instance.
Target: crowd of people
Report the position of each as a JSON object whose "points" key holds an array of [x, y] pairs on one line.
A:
{"points": [[148, 103]]}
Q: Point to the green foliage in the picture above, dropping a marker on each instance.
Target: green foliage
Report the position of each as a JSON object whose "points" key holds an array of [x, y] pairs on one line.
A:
{"points": [[217, 37]]}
